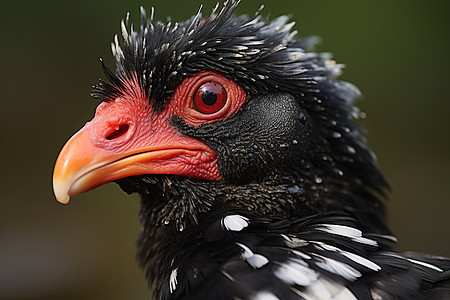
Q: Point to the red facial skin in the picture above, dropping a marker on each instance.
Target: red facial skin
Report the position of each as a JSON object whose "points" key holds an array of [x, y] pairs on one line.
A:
{"points": [[127, 138]]}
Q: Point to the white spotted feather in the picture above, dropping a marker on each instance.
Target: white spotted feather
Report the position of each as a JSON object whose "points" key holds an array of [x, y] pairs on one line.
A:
{"points": [[235, 222]]}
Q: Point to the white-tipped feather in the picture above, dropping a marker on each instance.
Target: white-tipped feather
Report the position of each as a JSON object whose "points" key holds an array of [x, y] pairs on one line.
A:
{"points": [[424, 264], [346, 294], [173, 280], [293, 272], [247, 252], [350, 232], [235, 222], [124, 31], [265, 295], [257, 261], [362, 261], [317, 290], [339, 268]]}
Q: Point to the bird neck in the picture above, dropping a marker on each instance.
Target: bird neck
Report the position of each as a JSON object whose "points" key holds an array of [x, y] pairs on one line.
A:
{"points": [[174, 207]]}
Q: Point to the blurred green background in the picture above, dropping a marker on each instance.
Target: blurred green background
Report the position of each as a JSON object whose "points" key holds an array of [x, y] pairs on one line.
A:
{"points": [[397, 52]]}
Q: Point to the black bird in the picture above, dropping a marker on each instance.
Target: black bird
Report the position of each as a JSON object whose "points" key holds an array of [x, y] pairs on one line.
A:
{"points": [[256, 182]]}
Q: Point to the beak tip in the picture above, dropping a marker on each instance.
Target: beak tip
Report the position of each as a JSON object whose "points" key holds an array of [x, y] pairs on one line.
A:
{"points": [[63, 200], [61, 192]]}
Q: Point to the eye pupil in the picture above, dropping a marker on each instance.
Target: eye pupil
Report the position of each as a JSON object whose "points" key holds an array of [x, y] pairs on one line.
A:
{"points": [[209, 97]]}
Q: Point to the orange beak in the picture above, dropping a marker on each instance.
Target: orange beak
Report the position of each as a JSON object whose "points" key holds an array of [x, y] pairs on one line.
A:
{"points": [[103, 151]]}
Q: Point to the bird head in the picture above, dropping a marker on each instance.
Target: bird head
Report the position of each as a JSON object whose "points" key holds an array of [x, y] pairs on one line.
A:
{"points": [[219, 112]]}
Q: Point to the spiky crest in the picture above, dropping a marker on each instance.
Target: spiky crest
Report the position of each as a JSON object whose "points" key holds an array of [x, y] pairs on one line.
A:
{"points": [[260, 55]]}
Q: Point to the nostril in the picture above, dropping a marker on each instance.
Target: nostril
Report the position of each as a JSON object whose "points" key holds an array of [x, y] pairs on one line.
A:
{"points": [[119, 131]]}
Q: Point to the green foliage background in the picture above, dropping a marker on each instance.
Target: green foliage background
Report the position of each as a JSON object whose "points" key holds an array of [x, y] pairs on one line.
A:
{"points": [[397, 52]]}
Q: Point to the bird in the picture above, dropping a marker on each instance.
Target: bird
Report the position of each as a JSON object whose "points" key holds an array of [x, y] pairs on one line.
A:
{"points": [[255, 178]]}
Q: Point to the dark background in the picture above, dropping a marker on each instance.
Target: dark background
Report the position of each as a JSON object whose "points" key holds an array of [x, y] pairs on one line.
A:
{"points": [[397, 52]]}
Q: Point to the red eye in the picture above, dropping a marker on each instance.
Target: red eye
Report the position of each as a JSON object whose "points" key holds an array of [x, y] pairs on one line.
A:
{"points": [[210, 97]]}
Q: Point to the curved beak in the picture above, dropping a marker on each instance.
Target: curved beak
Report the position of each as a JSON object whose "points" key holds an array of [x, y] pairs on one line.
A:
{"points": [[81, 166]]}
